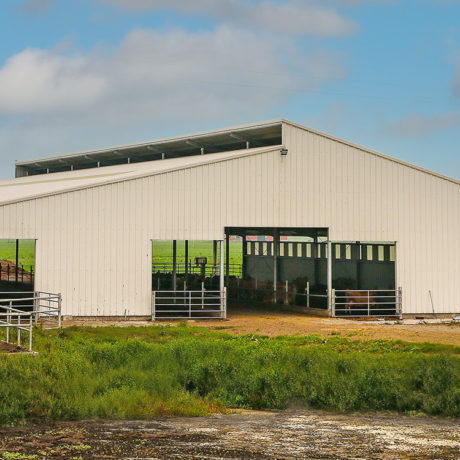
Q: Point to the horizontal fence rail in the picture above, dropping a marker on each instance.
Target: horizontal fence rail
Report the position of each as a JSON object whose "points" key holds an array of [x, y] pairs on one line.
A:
{"points": [[11, 273], [191, 269], [189, 304], [362, 303], [21, 313]]}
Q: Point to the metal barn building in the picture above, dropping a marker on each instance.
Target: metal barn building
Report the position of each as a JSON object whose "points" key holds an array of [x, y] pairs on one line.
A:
{"points": [[303, 205]]}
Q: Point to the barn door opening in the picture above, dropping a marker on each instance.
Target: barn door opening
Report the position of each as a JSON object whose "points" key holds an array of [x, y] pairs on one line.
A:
{"points": [[280, 266], [364, 279], [17, 265], [187, 279], [17, 270]]}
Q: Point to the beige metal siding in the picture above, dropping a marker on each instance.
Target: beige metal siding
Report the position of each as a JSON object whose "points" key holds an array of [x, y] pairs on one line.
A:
{"points": [[362, 196], [93, 245]]}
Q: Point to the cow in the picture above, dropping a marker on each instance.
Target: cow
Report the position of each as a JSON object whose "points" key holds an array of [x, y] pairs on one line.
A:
{"points": [[363, 299]]}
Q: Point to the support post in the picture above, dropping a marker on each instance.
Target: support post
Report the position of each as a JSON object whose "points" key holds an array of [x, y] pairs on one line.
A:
{"points": [[221, 279], [276, 246], [227, 257], [214, 257], [307, 289], [329, 274], [186, 257], [153, 306], [174, 273], [17, 260], [244, 249]]}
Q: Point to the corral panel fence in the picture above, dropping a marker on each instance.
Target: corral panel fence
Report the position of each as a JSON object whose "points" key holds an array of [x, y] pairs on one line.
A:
{"points": [[366, 303], [23, 274], [189, 304], [20, 314], [191, 269]]}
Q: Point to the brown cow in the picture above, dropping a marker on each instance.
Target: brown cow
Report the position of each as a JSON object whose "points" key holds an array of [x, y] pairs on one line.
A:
{"points": [[359, 298]]}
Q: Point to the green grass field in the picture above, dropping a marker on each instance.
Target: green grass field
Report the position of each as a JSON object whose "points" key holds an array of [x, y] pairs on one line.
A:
{"points": [[162, 251], [145, 372], [26, 251]]}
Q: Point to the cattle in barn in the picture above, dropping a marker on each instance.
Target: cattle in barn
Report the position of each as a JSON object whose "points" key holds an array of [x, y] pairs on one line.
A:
{"points": [[363, 299]]}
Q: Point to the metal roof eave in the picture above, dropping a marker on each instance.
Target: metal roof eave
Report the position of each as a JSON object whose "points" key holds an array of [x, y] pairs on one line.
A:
{"points": [[237, 155], [144, 145]]}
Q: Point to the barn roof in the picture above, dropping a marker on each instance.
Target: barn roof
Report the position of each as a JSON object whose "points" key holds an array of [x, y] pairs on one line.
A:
{"points": [[223, 140], [31, 187], [177, 157]]}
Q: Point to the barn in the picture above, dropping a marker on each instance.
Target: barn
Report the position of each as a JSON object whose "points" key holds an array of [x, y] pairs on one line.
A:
{"points": [[268, 212]]}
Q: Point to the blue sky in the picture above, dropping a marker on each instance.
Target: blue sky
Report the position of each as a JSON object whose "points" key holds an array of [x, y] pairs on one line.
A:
{"points": [[82, 74]]}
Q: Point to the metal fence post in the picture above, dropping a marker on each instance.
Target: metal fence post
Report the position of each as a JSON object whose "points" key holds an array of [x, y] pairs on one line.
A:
{"points": [[19, 331], [190, 304], [400, 301], [333, 302], [36, 306], [152, 307], [286, 297], [59, 310], [224, 302], [30, 333], [368, 303], [308, 294], [8, 319]]}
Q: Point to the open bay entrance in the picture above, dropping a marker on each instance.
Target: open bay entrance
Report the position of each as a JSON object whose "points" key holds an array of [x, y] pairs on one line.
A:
{"points": [[17, 265], [187, 279], [364, 279], [281, 266]]}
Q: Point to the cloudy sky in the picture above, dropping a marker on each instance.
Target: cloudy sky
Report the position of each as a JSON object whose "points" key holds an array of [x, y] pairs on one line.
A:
{"points": [[83, 74]]}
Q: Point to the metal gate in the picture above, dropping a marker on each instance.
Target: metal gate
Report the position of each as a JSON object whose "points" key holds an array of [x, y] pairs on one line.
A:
{"points": [[362, 303], [189, 304], [22, 313]]}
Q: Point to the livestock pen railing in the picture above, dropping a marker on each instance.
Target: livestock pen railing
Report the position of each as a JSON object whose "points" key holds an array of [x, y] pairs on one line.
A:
{"points": [[11, 273], [22, 313], [362, 303], [189, 304], [287, 293], [191, 269]]}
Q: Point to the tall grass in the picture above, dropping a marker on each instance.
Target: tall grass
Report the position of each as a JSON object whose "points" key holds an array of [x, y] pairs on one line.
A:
{"points": [[164, 371]]}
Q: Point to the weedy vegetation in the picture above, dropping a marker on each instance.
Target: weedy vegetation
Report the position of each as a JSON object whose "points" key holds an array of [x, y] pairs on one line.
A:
{"points": [[145, 372]]}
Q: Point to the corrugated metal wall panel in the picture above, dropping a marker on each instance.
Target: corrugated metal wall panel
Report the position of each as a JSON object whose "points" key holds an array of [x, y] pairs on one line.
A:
{"points": [[93, 245], [361, 196]]}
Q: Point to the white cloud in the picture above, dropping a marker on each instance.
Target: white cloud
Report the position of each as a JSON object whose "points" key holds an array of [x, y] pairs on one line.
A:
{"points": [[420, 125], [39, 81], [52, 101], [292, 17]]}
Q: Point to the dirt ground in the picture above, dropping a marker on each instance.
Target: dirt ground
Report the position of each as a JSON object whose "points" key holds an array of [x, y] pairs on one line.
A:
{"points": [[286, 323], [248, 435], [11, 348]]}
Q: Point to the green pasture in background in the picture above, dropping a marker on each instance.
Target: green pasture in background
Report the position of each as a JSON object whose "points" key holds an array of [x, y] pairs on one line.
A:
{"points": [[162, 251], [26, 251]]}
